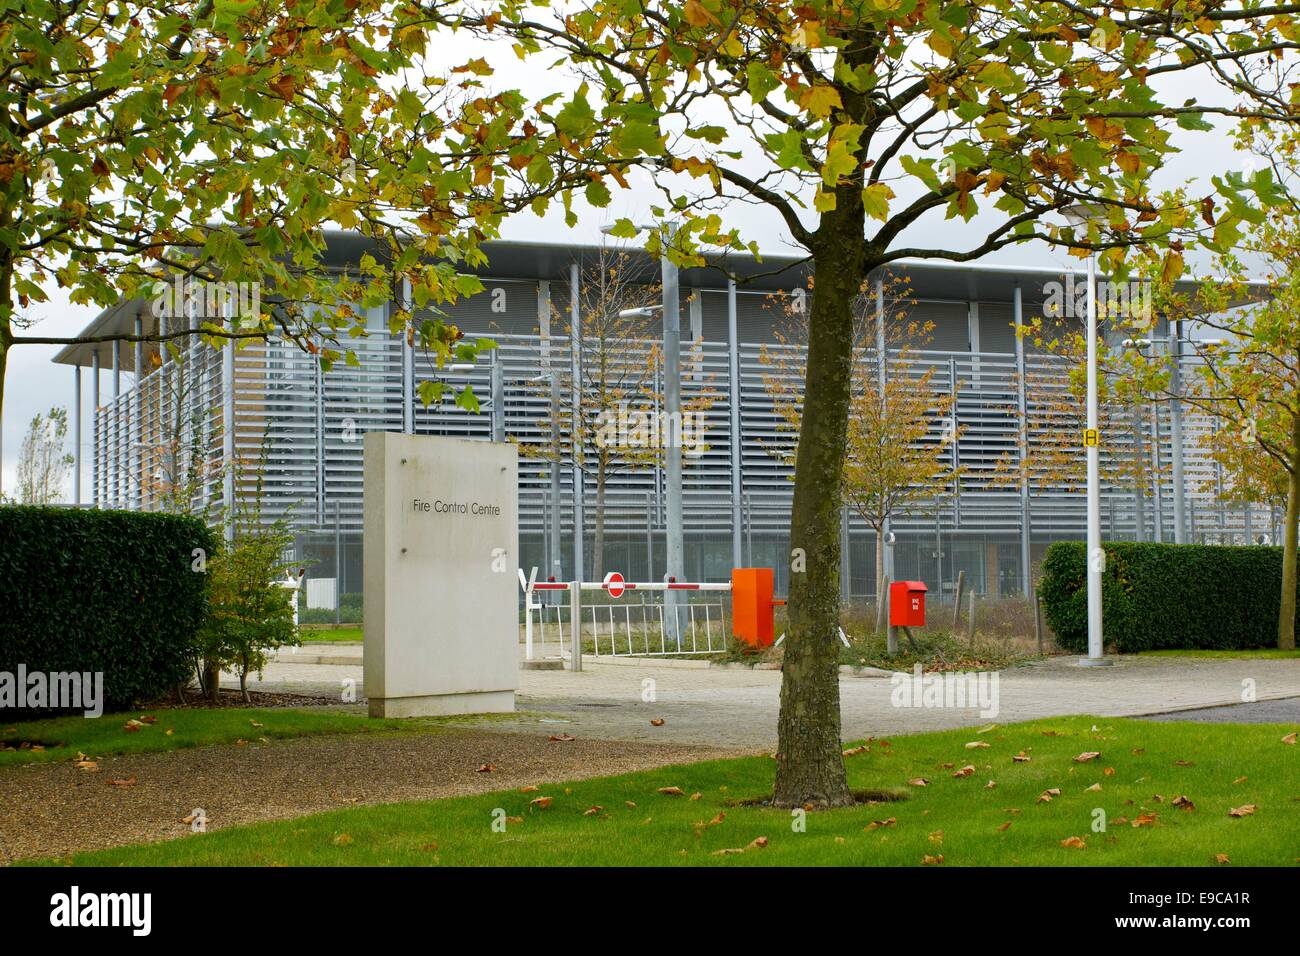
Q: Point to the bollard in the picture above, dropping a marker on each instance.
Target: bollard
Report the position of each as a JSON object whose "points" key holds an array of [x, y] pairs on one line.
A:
{"points": [[956, 601], [575, 625], [1038, 623], [970, 619]]}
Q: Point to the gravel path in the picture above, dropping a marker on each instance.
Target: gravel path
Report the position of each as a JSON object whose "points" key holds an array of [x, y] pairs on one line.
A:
{"points": [[53, 809]]}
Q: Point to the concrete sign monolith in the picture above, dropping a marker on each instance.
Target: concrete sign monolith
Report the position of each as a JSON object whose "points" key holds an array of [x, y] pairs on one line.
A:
{"points": [[441, 552]]}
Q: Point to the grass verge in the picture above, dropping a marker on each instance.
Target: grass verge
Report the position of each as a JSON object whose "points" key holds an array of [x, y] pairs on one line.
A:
{"points": [[62, 738], [1262, 653], [1164, 790], [331, 635]]}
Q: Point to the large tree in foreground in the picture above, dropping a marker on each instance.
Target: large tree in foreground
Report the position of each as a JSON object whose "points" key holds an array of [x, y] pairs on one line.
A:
{"points": [[856, 120]]}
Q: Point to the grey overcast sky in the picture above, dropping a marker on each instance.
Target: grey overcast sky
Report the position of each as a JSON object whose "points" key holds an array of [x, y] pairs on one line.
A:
{"points": [[34, 384]]}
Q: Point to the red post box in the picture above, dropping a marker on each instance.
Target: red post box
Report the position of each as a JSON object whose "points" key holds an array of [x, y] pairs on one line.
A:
{"points": [[907, 604], [752, 605]]}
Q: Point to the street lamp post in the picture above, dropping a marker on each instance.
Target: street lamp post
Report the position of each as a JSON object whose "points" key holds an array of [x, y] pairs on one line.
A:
{"points": [[1096, 557]]}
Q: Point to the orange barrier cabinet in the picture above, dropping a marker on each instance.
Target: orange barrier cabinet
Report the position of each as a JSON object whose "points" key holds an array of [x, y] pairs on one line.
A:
{"points": [[907, 604], [752, 606]]}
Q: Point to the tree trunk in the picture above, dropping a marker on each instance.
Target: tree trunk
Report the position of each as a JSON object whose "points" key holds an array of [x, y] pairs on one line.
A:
{"points": [[810, 762], [212, 680], [1286, 607], [598, 559]]}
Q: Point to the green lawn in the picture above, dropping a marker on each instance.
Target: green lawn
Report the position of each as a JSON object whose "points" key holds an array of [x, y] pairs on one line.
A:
{"points": [[318, 634], [1142, 769], [1262, 653], [63, 737]]}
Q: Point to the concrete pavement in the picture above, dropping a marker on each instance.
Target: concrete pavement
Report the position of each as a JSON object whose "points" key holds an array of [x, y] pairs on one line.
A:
{"points": [[737, 707]]}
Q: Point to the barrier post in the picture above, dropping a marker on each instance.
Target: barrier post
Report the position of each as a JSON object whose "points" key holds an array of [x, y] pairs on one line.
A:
{"points": [[575, 624]]}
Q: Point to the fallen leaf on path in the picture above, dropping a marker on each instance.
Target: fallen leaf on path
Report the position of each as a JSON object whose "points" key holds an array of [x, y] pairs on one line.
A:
{"points": [[486, 768], [657, 722], [127, 782], [562, 738]]}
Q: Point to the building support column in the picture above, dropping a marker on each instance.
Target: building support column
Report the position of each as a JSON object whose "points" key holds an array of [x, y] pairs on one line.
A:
{"points": [[1176, 432], [76, 434], [96, 459], [408, 362], [115, 427], [1022, 410], [137, 418], [734, 420], [228, 432], [579, 424], [549, 370]]}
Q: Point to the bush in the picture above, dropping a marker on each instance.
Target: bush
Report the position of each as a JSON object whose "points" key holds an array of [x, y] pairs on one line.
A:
{"points": [[1166, 596], [102, 591]]}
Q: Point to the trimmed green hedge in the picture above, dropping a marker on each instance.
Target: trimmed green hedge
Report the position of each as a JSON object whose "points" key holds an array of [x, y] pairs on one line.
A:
{"points": [[1166, 596], [102, 591]]}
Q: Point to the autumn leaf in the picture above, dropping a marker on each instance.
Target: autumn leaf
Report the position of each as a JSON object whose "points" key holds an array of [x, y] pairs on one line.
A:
{"points": [[877, 824], [343, 839], [918, 782], [1046, 795], [1245, 810], [563, 738], [965, 771], [931, 860], [486, 768], [672, 791], [854, 751], [977, 744], [657, 722], [540, 803], [758, 843], [1289, 738], [593, 811], [131, 781], [1021, 757], [1086, 756], [1221, 858], [1005, 827], [1147, 819], [528, 789], [696, 14], [1074, 843], [1183, 803]]}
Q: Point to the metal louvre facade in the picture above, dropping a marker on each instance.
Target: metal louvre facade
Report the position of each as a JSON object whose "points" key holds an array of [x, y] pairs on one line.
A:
{"points": [[300, 433]]}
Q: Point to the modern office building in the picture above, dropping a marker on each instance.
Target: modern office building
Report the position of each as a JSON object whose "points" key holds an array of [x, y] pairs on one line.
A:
{"points": [[201, 427]]}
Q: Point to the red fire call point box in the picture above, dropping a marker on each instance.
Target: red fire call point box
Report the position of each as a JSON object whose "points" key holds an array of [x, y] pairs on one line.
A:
{"points": [[752, 605], [907, 604]]}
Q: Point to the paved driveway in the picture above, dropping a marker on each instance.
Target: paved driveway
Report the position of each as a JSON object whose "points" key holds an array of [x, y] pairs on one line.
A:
{"points": [[725, 707]]}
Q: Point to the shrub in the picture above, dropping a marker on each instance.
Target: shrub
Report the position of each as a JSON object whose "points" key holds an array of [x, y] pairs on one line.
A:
{"points": [[1164, 596], [102, 591]]}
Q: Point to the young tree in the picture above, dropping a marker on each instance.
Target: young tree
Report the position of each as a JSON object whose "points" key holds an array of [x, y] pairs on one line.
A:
{"points": [[880, 116], [42, 462], [587, 416]]}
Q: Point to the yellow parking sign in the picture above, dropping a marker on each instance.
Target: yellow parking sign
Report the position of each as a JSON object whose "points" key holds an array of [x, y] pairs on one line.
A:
{"points": [[1090, 438]]}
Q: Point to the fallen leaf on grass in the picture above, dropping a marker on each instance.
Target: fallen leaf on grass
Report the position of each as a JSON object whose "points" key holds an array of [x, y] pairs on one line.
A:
{"points": [[1074, 843], [429, 847], [1245, 810], [965, 771], [1093, 789], [1221, 858], [918, 782], [1021, 757], [696, 795], [1239, 780], [629, 804], [1087, 755], [342, 839], [128, 782], [931, 860], [241, 742], [877, 824], [758, 843], [977, 744], [168, 732], [991, 785], [541, 803], [936, 836], [1182, 802], [1046, 795], [1005, 827], [1184, 763], [854, 751], [1289, 738], [718, 819], [1145, 819], [730, 851], [1108, 772], [256, 724], [514, 820], [593, 811], [672, 791]]}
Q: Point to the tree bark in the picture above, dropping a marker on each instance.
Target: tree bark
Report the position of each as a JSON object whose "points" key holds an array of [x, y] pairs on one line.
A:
{"points": [[1286, 607], [598, 559], [810, 762]]}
